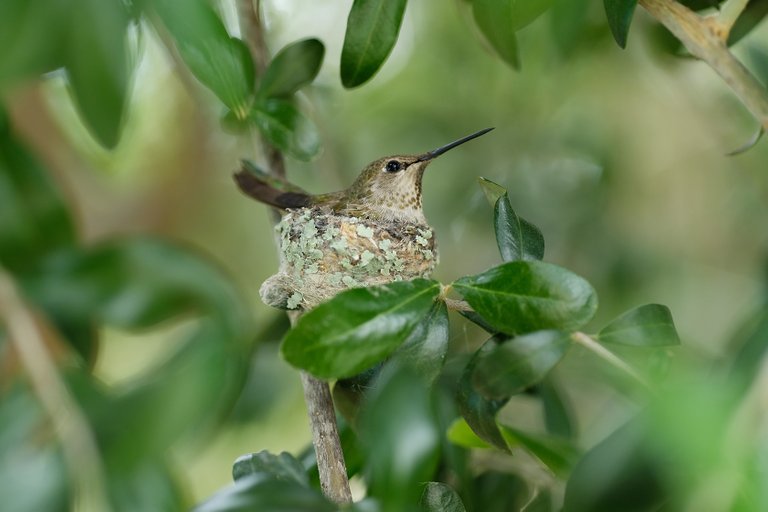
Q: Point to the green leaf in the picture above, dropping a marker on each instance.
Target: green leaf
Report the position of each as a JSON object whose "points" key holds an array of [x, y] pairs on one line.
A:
{"points": [[440, 497], [478, 411], [619, 13], [372, 29], [137, 283], [258, 492], [618, 473], [650, 325], [510, 367], [496, 20], [493, 191], [281, 467], [222, 63], [557, 416], [517, 238], [425, 348], [496, 491], [98, 66], [358, 328], [286, 128], [292, 68], [526, 296], [32, 38], [512, 14], [461, 434], [754, 13], [34, 220], [400, 437], [559, 455]]}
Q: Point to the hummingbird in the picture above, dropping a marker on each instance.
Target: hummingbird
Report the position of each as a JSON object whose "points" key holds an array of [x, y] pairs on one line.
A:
{"points": [[371, 233]]}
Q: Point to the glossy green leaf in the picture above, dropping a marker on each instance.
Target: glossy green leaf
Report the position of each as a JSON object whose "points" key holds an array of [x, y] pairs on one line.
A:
{"points": [[286, 128], [440, 497], [496, 20], [281, 467], [650, 325], [34, 220], [426, 347], [619, 14], [98, 66], [258, 492], [557, 414], [517, 238], [559, 455], [493, 191], [400, 437], [31, 38], [525, 296], [358, 328], [510, 367], [222, 63], [292, 68], [372, 30], [478, 411]]}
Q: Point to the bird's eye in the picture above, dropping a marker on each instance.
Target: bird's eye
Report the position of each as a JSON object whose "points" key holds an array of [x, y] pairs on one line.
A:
{"points": [[393, 166]]}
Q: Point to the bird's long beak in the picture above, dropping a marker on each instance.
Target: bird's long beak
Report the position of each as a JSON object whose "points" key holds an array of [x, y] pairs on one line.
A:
{"points": [[442, 149]]}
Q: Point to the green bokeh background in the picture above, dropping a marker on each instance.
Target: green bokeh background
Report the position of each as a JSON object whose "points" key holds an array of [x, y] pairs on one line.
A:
{"points": [[619, 156]]}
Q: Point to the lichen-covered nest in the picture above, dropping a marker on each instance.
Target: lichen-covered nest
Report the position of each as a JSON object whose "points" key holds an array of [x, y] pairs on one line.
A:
{"points": [[322, 254]]}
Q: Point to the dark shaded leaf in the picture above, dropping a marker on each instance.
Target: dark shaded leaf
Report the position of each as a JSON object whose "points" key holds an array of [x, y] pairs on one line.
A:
{"points": [[754, 12], [559, 455], [650, 325], [617, 474], [495, 491], [292, 68], [258, 492], [349, 393], [440, 497], [358, 327], [510, 367], [569, 23], [619, 13], [478, 411], [286, 128], [98, 66], [400, 437], [32, 38], [496, 21], [526, 296], [557, 416], [517, 238], [281, 467], [372, 30], [222, 63], [752, 142], [34, 220], [425, 348], [150, 486]]}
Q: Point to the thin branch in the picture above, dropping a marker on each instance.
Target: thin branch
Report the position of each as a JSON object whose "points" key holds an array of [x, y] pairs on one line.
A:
{"points": [[78, 442], [608, 356], [729, 13], [332, 470], [458, 305], [706, 41], [252, 28]]}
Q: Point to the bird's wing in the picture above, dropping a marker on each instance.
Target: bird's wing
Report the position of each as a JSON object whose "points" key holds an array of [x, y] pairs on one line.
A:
{"points": [[273, 191]]}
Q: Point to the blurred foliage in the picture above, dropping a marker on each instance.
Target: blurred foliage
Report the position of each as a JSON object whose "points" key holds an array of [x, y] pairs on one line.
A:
{"points": [[506, 407]]}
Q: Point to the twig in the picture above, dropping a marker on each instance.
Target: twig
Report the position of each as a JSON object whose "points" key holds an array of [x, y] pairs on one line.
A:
{"points": [[252, 30], [707, 41], [605, 354], [332, 470], [458, 305], [729, 13], [78, 442]]}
